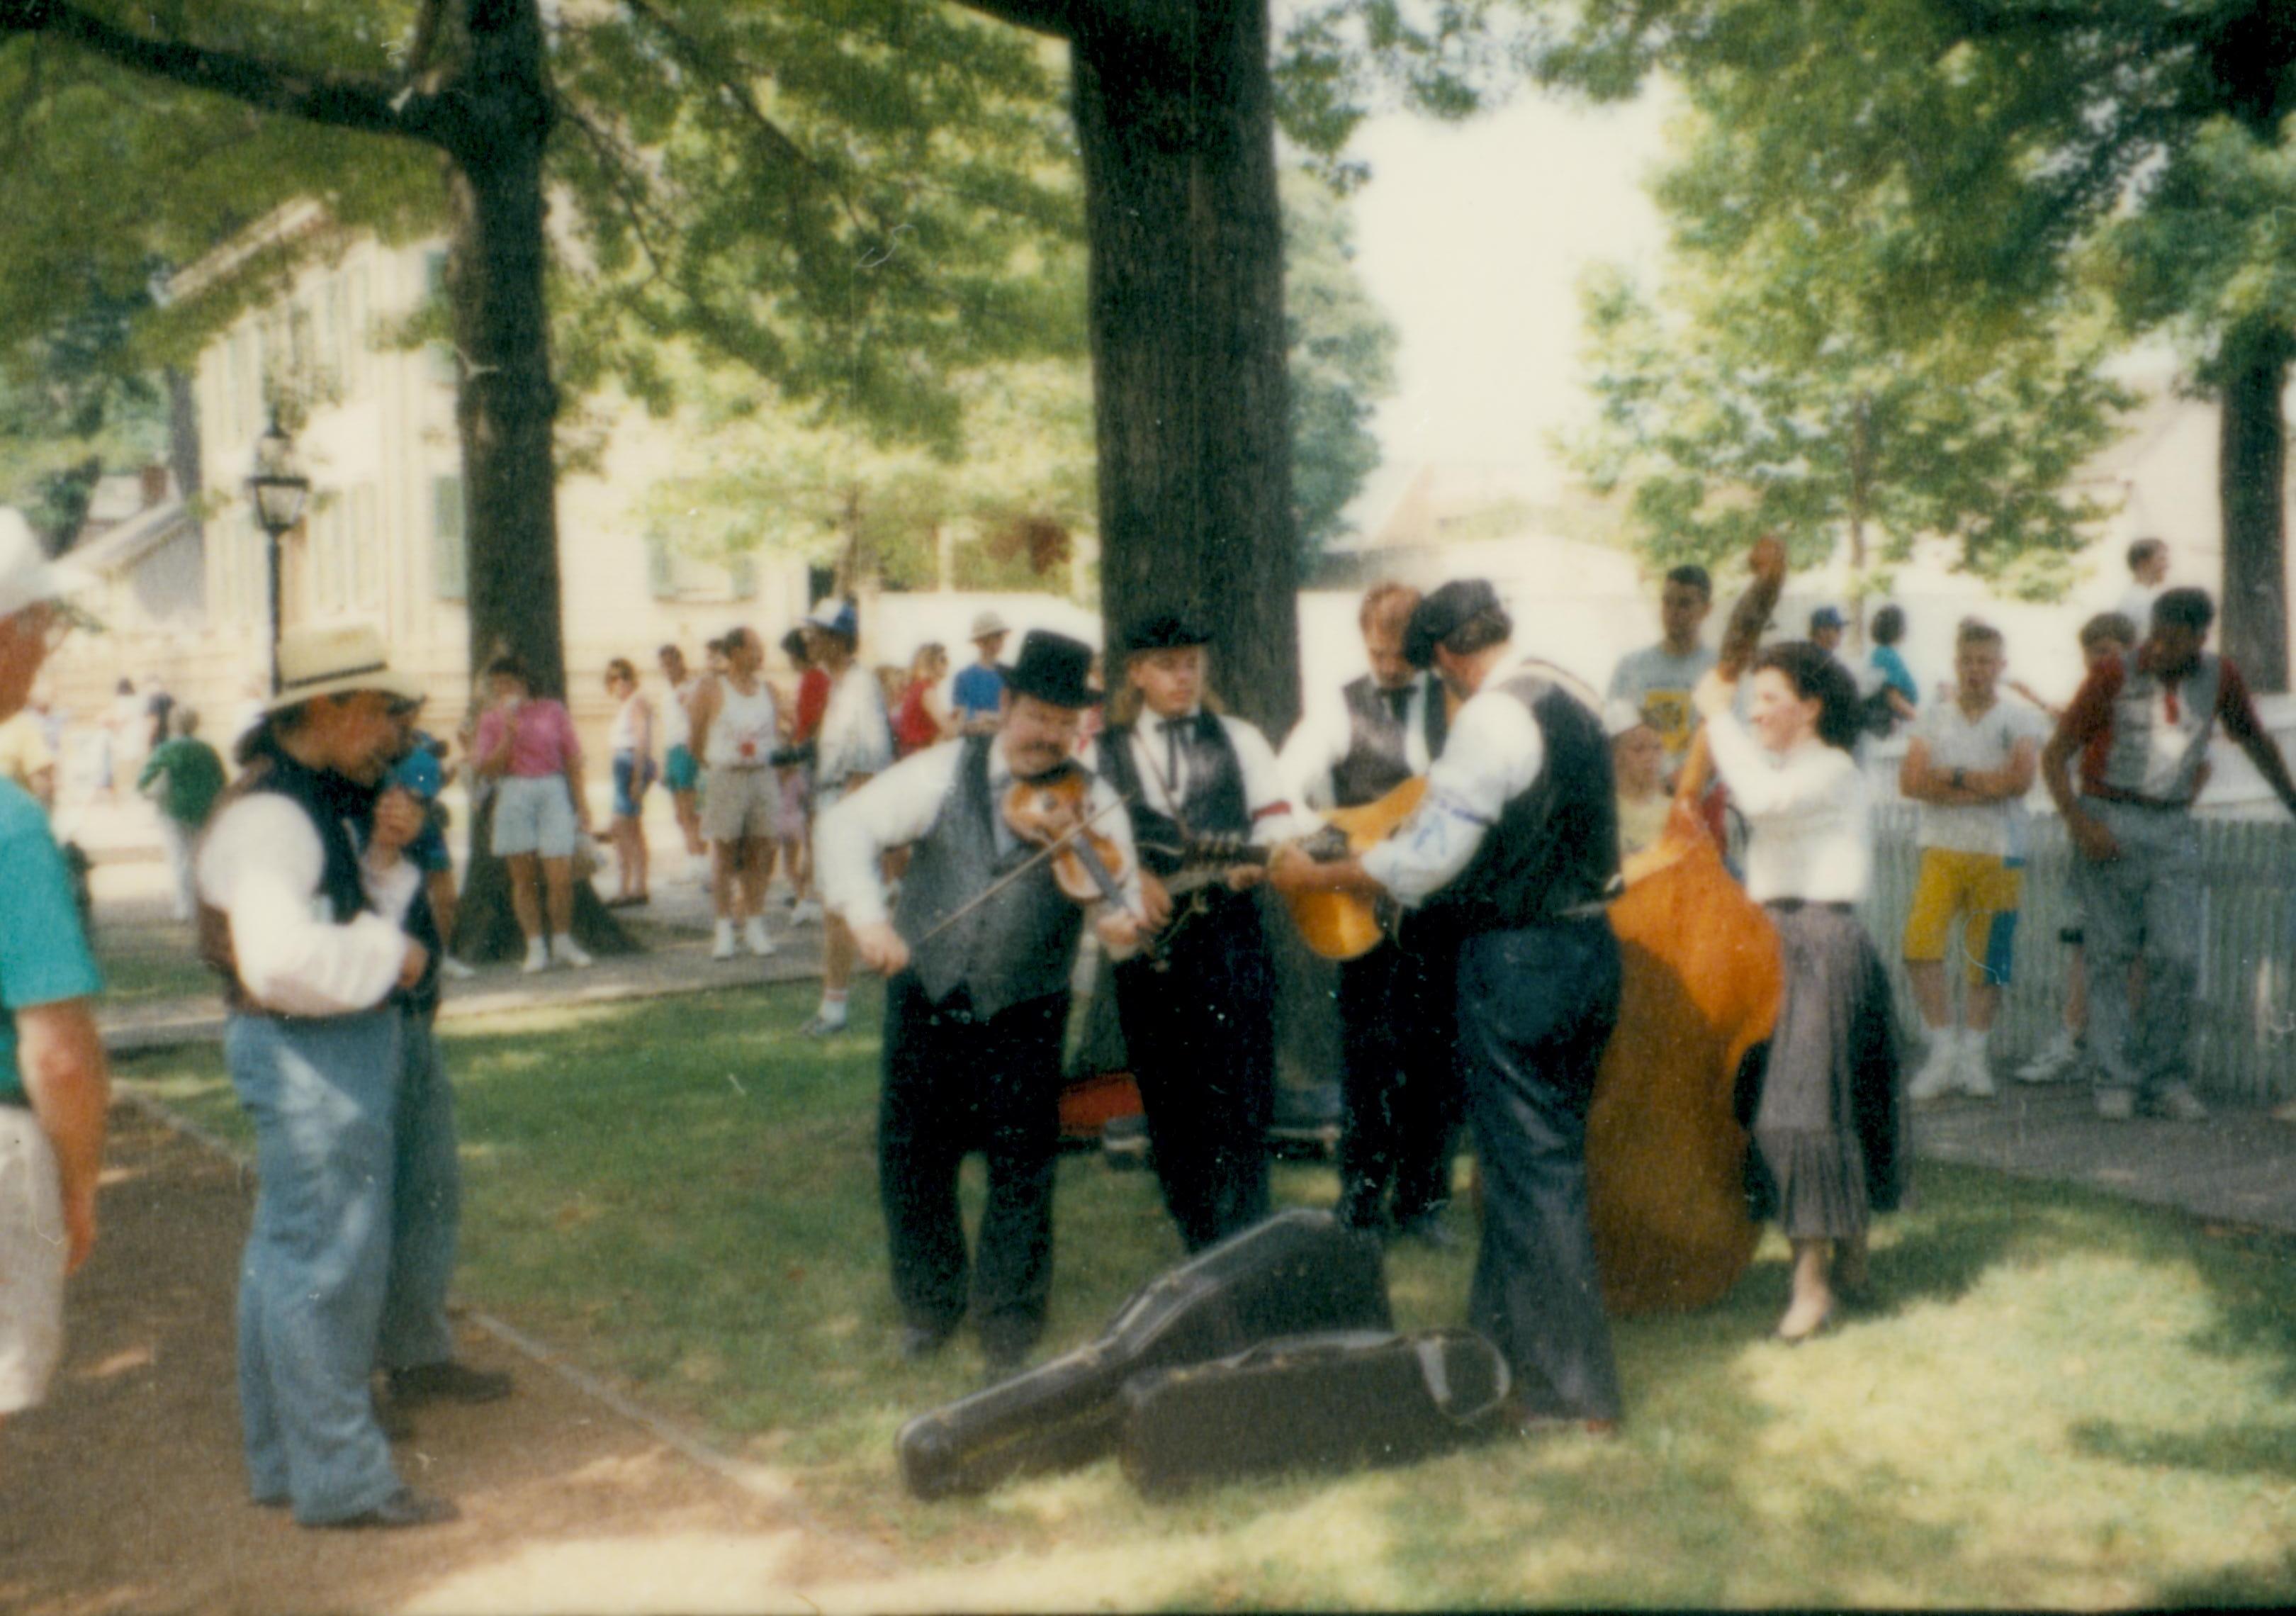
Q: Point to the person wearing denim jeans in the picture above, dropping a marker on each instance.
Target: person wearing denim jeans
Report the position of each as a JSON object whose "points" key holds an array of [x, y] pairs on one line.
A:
{"points": [[305, 895], [2140, 727], [1513, 850]]}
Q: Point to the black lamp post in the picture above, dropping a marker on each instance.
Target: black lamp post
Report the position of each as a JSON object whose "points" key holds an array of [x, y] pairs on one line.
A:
{"points": [[278, 491]]}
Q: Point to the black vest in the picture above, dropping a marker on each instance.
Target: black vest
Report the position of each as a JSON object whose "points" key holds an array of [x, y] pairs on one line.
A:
{"points": [[1213, 805], [1555, 847], [1377, 758], [341, 812], [1010, 949]]}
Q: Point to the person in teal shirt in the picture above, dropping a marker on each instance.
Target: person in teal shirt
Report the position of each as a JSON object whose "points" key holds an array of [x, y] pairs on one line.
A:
{"points": [[54, 1085], [187, 773]]}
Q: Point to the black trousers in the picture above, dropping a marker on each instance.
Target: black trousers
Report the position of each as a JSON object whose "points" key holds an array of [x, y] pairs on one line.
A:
{"points": [[954, 1084], [1399, 1084], [1201, 1036], [1535, 1008]]}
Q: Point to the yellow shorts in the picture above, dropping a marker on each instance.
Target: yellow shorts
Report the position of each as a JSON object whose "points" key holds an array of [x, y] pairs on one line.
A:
{"points": [[1983, 888]]}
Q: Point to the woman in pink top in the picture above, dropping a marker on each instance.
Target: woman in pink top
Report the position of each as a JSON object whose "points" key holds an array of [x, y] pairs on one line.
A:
{"points": [[526, 744]]}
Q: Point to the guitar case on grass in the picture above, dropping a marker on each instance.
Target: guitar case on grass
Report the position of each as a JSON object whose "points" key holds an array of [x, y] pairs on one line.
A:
{"points": [[1345, 1400], [1298, 1272]]}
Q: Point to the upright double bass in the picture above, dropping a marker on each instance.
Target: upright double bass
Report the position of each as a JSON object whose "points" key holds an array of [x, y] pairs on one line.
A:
{"points": [[1666, 1154]]}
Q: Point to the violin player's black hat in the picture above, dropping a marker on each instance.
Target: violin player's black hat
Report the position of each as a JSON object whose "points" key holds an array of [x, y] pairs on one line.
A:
{"points": [[1052, 669], [1167, 631], [1442, 612]]}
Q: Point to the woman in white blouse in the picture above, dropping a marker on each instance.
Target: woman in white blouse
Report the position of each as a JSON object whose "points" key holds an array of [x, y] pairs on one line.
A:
{"points": [[1830, 1127]]}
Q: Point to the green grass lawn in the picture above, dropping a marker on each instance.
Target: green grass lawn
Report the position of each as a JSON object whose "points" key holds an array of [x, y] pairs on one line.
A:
{"points": [[149, 964], [2057, 1398]]}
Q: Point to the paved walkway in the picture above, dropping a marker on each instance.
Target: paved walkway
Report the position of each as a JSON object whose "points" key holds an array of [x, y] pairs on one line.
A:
{"points": [[2238, 1167]]}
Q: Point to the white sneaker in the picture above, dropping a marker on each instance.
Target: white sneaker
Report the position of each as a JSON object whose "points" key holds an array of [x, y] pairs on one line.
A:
{"points": [[2056, 1064], [1939, 1076], [571, 953], [753, 933], [1972, 1067], [723, 948], [538, 958], [454, 970], [806, 913]]}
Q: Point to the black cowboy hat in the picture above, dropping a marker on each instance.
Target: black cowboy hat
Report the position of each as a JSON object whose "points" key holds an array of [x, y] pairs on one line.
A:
{"points": [[1442, 613], [1165, 631], [1052, 668]]}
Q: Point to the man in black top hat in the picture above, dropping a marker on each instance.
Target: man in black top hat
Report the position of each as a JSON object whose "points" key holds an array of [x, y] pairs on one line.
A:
{"points": [[1516, 847], [1399, 1085], [977, 959], [1196, 1018]]}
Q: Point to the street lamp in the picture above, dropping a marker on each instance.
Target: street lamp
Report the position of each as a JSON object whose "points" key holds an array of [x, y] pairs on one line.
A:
{"points": [[277, 490]]}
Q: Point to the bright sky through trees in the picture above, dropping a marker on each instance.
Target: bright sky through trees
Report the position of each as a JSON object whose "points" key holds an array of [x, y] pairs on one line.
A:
{"points": [[1471, 240]]}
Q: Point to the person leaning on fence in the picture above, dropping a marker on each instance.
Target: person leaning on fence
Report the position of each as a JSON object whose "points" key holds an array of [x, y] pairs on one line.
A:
{"points": [[2108, 633], [2140, 727], [1968, 765], [54, 1085]]}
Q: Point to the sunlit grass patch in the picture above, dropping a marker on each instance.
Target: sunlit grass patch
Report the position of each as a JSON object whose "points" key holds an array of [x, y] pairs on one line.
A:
{"points": [[2052, 1398]]}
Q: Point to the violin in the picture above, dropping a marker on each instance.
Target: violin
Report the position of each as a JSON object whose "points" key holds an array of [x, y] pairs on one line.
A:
{"points": [[1052, 812]]}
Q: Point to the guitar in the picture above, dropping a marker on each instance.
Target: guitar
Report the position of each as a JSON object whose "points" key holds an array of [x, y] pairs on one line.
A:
{"points": [[1336, 926]]}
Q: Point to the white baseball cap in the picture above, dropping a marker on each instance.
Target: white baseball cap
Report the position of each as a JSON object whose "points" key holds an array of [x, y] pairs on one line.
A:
{"points": [[27, 574]]}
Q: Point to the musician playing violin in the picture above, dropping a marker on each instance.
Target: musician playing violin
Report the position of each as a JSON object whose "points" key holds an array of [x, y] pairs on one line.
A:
{"points": [[1197, 1017], [1517, 845], [1399, 1088], [978, 957]]}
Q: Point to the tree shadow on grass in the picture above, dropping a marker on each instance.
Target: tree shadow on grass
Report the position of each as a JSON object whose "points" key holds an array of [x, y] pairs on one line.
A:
{"points": [[2216, 1450]]}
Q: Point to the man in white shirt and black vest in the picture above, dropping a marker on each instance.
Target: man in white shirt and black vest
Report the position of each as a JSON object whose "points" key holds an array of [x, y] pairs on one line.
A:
{"points": [[978, 957], [320, 931], [1197, 1017], [1401, 1089], [1516, 847]]}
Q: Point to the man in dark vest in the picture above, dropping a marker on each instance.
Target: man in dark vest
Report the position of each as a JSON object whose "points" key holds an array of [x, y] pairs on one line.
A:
{"points": [[1516, 847], [1197, 1017], [978, 957], [304, 904], [1400, 1090]]}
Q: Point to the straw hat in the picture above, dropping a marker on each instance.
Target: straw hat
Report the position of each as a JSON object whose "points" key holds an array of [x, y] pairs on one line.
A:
{"points": [[316, 662]]}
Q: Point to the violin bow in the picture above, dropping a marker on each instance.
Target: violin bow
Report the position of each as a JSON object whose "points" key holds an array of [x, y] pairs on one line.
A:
{"points": [[1049, 850]]}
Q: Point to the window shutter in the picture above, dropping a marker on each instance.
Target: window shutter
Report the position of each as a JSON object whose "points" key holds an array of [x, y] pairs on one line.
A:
{"points": [[661, 577], [742, 577], [450, 566]]}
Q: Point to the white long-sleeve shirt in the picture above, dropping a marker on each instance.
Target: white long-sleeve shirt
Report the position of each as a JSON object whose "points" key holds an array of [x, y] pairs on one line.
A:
{"points": [[900, 805], [262, 864], [1325, 734], [1808, 813], [1265, 800], [1496, 752]]}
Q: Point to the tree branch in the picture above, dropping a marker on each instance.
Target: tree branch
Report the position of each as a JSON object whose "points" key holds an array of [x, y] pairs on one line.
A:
{"points": [[1053, 17], [424, 41], [338, 101]]}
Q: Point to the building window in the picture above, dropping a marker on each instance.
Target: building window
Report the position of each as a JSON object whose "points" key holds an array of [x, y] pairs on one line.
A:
{"points": [[450, 562]]}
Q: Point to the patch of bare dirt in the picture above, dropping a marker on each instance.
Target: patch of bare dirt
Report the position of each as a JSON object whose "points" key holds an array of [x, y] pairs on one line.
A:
{"points": [[125, 1492]]}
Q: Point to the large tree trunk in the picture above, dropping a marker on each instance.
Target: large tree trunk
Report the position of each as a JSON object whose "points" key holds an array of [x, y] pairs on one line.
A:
{"points": [[1186, 311], [505, 408], [2251, 479], [507, 403]]}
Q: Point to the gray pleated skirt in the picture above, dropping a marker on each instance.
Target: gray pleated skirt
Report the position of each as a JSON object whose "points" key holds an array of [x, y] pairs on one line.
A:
{"points": [[1830, 1125]]}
